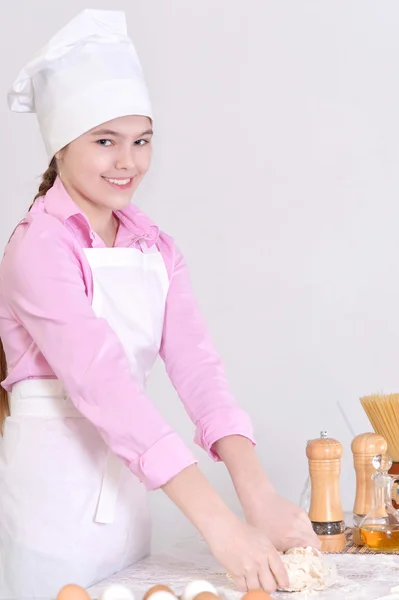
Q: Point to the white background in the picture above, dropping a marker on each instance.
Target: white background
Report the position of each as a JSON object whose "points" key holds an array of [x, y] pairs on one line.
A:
{"points": [[275, 168]]}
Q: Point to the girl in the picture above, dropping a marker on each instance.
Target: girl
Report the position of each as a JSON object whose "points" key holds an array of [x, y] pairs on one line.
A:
{"points": [[90, 292]]}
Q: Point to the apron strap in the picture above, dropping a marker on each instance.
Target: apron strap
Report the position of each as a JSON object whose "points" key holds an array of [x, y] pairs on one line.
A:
{"points": [[106, 506]]}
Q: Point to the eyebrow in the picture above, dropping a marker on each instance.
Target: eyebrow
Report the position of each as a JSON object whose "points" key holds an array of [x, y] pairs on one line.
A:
{"points": [[117, 134]]}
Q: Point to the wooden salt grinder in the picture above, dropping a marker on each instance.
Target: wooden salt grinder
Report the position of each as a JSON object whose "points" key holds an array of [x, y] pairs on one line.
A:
{"points": [[326, 514], [364, 448]]}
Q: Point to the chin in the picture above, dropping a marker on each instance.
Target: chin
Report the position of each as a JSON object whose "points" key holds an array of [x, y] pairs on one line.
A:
{"points": [[120, 203], [117, 202]]}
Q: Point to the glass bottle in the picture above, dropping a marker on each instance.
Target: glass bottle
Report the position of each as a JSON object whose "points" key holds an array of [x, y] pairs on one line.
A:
{"points": [[379, 529], [304, 500]]}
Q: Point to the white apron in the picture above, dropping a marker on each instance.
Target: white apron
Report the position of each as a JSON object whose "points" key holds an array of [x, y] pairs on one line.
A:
{"points": [[70, 511]]}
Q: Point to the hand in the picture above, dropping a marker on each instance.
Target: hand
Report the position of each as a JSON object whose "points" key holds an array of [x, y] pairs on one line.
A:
{"points": [[285, 524], [245, 552], [248, 556]]}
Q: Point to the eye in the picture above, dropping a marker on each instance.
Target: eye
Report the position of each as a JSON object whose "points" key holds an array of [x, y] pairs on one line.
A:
{"points": [[104, 142], [141, 142]]}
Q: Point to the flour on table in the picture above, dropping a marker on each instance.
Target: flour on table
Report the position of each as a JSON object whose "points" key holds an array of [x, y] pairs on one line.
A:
{"points": [[308, 569]]}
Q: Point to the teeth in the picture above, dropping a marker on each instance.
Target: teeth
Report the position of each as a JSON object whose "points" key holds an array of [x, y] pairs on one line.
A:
{"points": [[118, 181]]}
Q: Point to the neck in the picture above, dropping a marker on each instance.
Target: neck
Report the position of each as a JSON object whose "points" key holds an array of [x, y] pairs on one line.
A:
{"points": [[105, 228]]}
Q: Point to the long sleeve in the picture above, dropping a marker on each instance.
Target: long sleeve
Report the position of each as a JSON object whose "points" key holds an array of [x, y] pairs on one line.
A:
{"points": [[45, 292], [195, 368]]}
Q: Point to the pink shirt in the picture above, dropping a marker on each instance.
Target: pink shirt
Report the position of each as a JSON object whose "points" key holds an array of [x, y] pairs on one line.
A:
{"points": [[49, 330]]}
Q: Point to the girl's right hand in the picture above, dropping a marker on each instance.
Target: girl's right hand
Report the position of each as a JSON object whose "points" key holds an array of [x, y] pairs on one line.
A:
{"points": [[248, 556], [245, 552]]}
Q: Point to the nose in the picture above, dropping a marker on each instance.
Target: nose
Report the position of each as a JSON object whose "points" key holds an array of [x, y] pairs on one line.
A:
{"points": [[125, 159]]}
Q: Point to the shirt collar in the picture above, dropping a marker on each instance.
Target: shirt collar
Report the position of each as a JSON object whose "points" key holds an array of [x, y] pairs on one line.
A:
{"points": [[59, 203]]}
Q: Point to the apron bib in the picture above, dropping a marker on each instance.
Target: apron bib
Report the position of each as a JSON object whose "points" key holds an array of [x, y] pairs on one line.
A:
{"points": [[70, 510]]}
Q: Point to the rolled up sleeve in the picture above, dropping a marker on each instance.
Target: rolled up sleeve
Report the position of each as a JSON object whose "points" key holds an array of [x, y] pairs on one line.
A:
{"points": [[195, 367], [43, 286]]}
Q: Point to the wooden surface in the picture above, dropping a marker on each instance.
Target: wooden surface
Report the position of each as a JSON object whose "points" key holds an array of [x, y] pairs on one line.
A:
{"points": [[332, 543]]}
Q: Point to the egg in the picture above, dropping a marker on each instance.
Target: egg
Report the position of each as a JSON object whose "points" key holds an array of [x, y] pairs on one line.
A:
{"points": [[162, 594], [116, 591], [157, 588], [194, 588], [257, 595], [73, 592], [206, 596]]}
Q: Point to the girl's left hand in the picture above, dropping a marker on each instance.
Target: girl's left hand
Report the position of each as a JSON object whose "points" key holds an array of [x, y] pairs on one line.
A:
{"points": [[285, 524]]}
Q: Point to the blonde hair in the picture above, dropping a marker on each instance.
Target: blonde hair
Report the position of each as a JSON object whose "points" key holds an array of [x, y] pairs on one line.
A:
{"points": [[48, 180]]}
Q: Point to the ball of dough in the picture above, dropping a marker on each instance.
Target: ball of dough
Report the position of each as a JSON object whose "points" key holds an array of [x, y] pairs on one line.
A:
{"points": [[116, 591], [308, 569], [194, 588]]}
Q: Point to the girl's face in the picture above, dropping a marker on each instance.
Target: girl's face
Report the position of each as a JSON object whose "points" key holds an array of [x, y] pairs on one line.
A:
{"points": [[105, 166]]}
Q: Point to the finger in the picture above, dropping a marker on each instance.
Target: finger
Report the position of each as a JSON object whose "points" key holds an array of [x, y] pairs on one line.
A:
{"points": [[315, 542], [278, 570], [252, 581], [240, 583], [291, 542], [300, 541], [310, 539], [306, 529], [305, 536], [301, 522], [267, 580]]}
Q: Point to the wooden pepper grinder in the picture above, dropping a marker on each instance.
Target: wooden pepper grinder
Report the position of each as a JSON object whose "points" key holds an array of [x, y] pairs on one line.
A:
{"points": [[326, 514], [364, 448]]}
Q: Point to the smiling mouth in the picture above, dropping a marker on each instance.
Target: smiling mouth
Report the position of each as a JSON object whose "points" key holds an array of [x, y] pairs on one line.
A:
{"points": [[119, 181], [121, 184]]}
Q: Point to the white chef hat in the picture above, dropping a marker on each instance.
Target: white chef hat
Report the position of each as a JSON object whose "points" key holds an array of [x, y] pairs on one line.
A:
{"points": [[87, 74]]}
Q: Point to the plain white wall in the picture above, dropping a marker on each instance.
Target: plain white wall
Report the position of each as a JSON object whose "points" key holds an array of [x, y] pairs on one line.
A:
{"points": [[275, 169]]}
